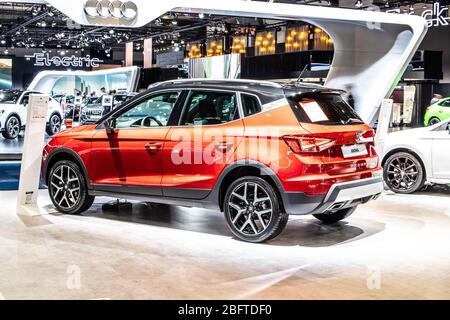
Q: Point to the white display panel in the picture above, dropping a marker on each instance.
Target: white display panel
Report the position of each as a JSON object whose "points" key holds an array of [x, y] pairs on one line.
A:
{"points": [[30, 170]]}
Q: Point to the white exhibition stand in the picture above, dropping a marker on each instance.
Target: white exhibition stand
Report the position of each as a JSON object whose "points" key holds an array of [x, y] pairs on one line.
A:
{"points": [[383, 125], [32, 156]]}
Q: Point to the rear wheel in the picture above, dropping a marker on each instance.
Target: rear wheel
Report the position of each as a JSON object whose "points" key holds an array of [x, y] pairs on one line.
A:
{"points": [[67, 188], [253, 210], [433, 121], [403, 173], [333, 217], [54, 125], [12, 128]]}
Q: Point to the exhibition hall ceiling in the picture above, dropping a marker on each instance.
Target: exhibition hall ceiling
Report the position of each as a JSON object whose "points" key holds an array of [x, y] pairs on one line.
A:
{"points": [[37, 25]]}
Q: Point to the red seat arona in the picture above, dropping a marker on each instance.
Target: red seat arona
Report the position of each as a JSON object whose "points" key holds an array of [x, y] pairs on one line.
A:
{"points": [[257, 151]]}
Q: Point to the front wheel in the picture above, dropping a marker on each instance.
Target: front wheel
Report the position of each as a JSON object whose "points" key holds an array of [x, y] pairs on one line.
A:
{"points": [[403, 173], [433, 121], [333, 217], [253, 210], [67, 188], [12, 128], [54, 125]]}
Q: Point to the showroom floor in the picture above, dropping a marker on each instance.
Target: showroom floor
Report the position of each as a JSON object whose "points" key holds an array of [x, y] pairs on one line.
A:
{"points": [[396, 247]]}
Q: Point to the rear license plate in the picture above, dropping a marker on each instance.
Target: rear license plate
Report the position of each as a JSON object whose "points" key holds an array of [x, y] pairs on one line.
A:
{"points": [[356, 150]]}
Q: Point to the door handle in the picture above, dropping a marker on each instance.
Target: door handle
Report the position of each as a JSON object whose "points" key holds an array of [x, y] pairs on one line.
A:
{"points": [[153, 146], [223, 146]]}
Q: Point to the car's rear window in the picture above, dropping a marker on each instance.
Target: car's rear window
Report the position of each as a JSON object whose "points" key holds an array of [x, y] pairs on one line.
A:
{"points": [[323, 108]]}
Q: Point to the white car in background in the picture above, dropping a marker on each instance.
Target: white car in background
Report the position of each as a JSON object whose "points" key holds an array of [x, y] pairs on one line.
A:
{"points": [[13, 113], [414, 157]]}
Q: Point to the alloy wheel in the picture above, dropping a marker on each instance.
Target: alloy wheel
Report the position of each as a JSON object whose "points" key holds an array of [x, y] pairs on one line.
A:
{"points": [[402, 173], [55, 124], [250, 208], [65, 187], [13, 127]]}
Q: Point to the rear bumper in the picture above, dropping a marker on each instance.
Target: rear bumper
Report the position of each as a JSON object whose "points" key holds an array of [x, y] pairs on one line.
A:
{"points": [[340, 196]]}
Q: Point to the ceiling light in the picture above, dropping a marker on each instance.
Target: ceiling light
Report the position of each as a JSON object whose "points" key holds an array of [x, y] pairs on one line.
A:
{"points": [[3, 42], [62, 52], [6, 51]]}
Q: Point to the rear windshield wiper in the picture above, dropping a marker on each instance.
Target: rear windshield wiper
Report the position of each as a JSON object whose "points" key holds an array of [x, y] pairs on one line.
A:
{"points": [[354, 121]]}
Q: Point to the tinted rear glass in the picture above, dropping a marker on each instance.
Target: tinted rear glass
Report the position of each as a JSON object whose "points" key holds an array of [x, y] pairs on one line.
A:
{"points": [[323, 108]]}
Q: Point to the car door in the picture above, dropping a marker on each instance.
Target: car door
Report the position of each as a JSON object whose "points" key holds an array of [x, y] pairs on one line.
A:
{"points": [[444, 109], [199, 148], [128, 159], [441, 151]]}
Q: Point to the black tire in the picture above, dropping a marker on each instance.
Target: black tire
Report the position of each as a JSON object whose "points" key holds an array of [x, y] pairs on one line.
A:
{"points": [[330, 218], [12, 127], [433, 121], [253, 222], [75, 202], [404, 173], [54, 125]]}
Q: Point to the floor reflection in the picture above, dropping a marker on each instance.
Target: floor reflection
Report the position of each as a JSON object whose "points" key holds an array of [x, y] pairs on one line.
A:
{"points": [[300, 231], [14, 146]]}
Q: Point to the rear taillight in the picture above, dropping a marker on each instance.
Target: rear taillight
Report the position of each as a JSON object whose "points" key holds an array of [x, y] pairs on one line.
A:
{"points": [[365, 136], [308, 144]]}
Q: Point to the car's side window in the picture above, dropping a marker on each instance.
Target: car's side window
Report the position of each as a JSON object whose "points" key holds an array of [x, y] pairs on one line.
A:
{"points": [[250, 104], [154, 111], [25, 99], [445, 103], [209, 108]]}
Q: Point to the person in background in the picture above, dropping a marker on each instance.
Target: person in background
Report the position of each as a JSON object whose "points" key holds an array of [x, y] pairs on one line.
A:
{"points": [[350, 99], [93, 94], [103, 90], [436, 98]]}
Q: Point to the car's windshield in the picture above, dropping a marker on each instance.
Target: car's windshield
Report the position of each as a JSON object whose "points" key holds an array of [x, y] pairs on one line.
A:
{"points": [[9, 97]]}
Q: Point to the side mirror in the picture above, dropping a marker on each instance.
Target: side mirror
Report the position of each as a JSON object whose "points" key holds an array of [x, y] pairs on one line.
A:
{"points": [[109, 129]]}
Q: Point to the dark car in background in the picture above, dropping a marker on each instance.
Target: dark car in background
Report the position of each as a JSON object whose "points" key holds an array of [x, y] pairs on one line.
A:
{"points": [[93, 111]]}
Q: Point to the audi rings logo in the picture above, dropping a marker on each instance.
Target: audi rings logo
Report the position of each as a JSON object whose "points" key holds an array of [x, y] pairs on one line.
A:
{"points": [[111, 9]]}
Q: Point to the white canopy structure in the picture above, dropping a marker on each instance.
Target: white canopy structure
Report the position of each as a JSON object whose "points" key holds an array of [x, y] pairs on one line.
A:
{"points": [[371, 49]]}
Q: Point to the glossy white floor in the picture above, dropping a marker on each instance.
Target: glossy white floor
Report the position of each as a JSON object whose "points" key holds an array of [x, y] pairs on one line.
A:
{"points": [[396, 247]]}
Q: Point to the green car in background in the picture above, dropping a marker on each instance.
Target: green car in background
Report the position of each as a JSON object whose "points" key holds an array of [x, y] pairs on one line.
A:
{"points": [[437, 112]]}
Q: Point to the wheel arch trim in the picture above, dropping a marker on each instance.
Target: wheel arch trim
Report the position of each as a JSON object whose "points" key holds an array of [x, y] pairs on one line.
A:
{"points": [[265, 170], [411, 151], [72, 153]]}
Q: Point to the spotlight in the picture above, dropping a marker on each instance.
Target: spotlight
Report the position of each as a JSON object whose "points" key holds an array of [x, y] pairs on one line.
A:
{"points": [[6, 51], [62, 53], [3, 42]]}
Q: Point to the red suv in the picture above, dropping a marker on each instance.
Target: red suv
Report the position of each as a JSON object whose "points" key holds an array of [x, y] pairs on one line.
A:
{"points": [[257, 151]]}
